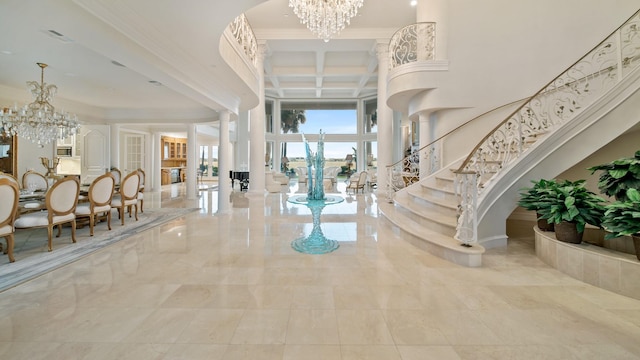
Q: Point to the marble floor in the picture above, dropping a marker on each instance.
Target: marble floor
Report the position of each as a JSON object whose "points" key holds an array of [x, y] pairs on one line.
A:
{"points": [[229, 286]]}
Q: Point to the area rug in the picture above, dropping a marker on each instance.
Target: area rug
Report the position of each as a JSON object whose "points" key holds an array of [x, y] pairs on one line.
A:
{"points": [[32, 258]]}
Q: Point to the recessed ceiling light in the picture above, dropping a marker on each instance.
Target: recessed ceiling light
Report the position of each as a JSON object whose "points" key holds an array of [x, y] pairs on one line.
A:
{"points": [[154, 82], [57, 35], [414, 2], [117, 63]]}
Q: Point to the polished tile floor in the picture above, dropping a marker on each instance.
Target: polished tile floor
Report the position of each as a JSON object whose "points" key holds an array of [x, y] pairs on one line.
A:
{"points": [[229, 286]]}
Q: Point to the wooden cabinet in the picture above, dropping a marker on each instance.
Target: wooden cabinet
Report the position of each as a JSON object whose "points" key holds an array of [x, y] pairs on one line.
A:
{"points": [[166, 177], [174, 149]]}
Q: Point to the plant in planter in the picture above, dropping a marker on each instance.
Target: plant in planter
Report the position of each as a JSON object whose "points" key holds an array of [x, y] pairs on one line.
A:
{"points": [[571, 207], [536, 198], [618, 176], [622, 218]]}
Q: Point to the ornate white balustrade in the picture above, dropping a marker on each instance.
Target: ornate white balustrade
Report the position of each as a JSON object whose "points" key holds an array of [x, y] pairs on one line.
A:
{"points": [[407, 171], [243, 33], [415, 42], [559, 102]]}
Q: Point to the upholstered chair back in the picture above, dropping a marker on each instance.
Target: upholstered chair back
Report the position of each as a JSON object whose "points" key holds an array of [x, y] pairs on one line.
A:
{"points": [[130, 185], [63, 196], [9, 193], [101, 190], [34, 179]]}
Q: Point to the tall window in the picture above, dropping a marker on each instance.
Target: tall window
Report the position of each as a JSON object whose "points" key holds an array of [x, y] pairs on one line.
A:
{"points": [[335, 154], [371, 154], [208, 164], [268, 120], [310, 118], [370, 116], [204, 160]]}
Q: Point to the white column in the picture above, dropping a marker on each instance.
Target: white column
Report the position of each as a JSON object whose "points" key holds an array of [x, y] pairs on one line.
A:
{"points": [[115, 146], [398, 146], [426, 136], [156, 169], [385, 117], [192, 155], [241, 162], [435, 11], [224, 166], [256, 131]]}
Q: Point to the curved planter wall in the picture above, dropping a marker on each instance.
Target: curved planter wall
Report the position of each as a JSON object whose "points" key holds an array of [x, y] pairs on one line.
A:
{"points": [[608, 269]]}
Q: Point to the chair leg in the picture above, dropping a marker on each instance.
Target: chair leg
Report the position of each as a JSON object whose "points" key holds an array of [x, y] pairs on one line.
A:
{"points": [[141, 205], [59, 230], [9, 250], [109, 219], [121, 212], [136, 211], [73, 230], [49, 235], [92, 221]]}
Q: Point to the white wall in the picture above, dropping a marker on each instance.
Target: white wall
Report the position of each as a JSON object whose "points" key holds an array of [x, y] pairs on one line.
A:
{"points": [[624, 146]]}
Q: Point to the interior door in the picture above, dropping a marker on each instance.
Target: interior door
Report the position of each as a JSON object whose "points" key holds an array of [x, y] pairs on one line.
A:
{"points": [[94, 151], [133, 152]]}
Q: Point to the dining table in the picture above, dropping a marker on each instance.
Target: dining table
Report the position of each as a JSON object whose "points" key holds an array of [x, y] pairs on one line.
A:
{"points": [[31, 201]]}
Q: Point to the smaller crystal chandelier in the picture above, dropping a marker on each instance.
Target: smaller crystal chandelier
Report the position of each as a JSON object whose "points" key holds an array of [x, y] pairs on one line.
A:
{"points": [[38, 121], [325, 18]]}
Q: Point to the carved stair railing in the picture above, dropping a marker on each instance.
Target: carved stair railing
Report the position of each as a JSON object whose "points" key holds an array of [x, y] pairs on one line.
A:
{"points": [[557, 103], [407, 170]]}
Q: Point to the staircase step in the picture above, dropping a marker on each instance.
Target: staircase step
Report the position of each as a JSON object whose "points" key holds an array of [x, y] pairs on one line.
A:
{"points": [[445, 181], [433, 217], [422, 197], [443, 246]]}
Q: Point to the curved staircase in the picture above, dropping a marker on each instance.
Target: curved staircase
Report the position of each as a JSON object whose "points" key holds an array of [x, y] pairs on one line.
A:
{"points": [[590, 104], [425, 214]]}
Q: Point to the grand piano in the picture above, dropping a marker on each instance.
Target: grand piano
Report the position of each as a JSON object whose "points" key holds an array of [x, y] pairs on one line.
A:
{"points": [[242, 177]]}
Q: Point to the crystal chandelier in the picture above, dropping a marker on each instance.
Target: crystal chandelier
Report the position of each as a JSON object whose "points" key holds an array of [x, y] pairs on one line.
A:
{"points": [[325, 17], [38, 121]]}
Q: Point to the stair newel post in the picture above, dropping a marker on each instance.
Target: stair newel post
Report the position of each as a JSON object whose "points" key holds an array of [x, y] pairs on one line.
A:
{"points": [[467, 224]]}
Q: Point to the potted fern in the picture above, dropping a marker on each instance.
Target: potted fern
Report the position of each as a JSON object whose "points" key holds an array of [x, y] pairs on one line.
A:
{"points": [[571, 207], [622, 218], [618, 176], [537, 197]]}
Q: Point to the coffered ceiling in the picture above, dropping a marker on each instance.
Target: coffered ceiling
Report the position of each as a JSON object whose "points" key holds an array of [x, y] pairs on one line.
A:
{"points": [[299, 65], [158, 61]]}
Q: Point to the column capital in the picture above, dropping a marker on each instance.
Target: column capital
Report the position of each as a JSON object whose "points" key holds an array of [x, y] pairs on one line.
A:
{"points": [[382, 49]]}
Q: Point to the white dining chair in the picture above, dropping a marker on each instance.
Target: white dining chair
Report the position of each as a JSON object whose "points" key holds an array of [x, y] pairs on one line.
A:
{"points": [[141, 189], [128, 195], [34, 181], [60, 203], [9, 193], [100, 196], [10, 178], [117, 175]]}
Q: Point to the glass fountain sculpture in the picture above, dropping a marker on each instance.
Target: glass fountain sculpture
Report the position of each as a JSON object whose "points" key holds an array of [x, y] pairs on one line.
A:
{"points": [[316, 242]]}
